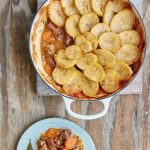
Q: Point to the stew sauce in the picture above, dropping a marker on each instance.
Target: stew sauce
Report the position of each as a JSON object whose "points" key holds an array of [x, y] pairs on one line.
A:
{"points": [[53, 39]]}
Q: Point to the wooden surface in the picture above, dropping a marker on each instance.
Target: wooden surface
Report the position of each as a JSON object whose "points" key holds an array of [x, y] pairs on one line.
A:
{"points": [[127, 123]]}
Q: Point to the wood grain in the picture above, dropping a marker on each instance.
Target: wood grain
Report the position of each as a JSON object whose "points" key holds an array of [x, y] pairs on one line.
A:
{"points": [[127, 123]]}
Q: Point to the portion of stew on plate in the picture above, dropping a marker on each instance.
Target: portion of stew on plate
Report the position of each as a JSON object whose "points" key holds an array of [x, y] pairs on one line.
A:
{"points": [[59, 139], [91, 48]]}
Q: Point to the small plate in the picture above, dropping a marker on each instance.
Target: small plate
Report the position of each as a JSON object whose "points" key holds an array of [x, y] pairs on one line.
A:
{"points": [[34, 132]]}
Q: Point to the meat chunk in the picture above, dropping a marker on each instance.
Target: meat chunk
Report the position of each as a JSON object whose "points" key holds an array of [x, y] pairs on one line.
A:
{"points": [[49, 55], [50, 143], [49, 49], [66, 134], [51, 26], [59, 33], [52, 62], [42, 145], [59, 144], [68, 40]]}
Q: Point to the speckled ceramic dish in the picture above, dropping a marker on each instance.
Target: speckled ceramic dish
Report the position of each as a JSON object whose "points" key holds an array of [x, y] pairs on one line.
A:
{"points": [[101, 92]]}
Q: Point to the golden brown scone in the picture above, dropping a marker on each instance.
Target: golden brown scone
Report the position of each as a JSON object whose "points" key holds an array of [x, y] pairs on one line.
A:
{"points": [[56, 13], [72, 25], [69, 7], [62, 61], [62, 76], [90, 88], [124, 20], [86, 61], [99, 29], [130, 37], [92, 39], [110, 41], [123, 70], [128, 53], [75, 85], [111, 82], [73, 52], [112, 7], [88, 21], [84, 6], [95, 73], [98, 6], [83, 43], [105, 58]]}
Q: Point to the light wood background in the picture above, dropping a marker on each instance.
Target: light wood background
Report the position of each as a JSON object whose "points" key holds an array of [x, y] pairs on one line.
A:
{"points": [[127, 123]]}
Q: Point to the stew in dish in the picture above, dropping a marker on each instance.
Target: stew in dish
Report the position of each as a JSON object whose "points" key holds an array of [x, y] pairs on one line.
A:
{"points": [[59, 139], [91, 48]]}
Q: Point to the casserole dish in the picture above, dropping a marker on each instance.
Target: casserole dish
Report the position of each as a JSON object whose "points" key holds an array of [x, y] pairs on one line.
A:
{"points": [[35, 51]]}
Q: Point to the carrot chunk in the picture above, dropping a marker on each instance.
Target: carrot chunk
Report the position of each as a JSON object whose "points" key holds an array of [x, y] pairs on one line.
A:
{"points": [[48, 69], [51, 133], [70, 143], [47, 35]]}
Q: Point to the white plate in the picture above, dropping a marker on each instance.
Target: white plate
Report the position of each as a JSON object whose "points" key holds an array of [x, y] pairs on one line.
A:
{"points": [[34, 132]]}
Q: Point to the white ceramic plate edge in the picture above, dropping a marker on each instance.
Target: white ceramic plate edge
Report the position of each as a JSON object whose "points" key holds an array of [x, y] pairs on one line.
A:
{"points": [[34, 131]]}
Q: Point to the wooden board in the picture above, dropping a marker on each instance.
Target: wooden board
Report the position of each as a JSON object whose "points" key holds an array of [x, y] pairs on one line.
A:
{"points": [[127, 123], [134, 88]]}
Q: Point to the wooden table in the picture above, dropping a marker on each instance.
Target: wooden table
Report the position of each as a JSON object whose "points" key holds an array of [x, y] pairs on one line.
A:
{"points": [[127, 123]]}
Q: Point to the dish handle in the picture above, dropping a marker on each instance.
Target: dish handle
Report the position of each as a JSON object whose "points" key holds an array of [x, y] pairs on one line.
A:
{"points": [[105, 102]]}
